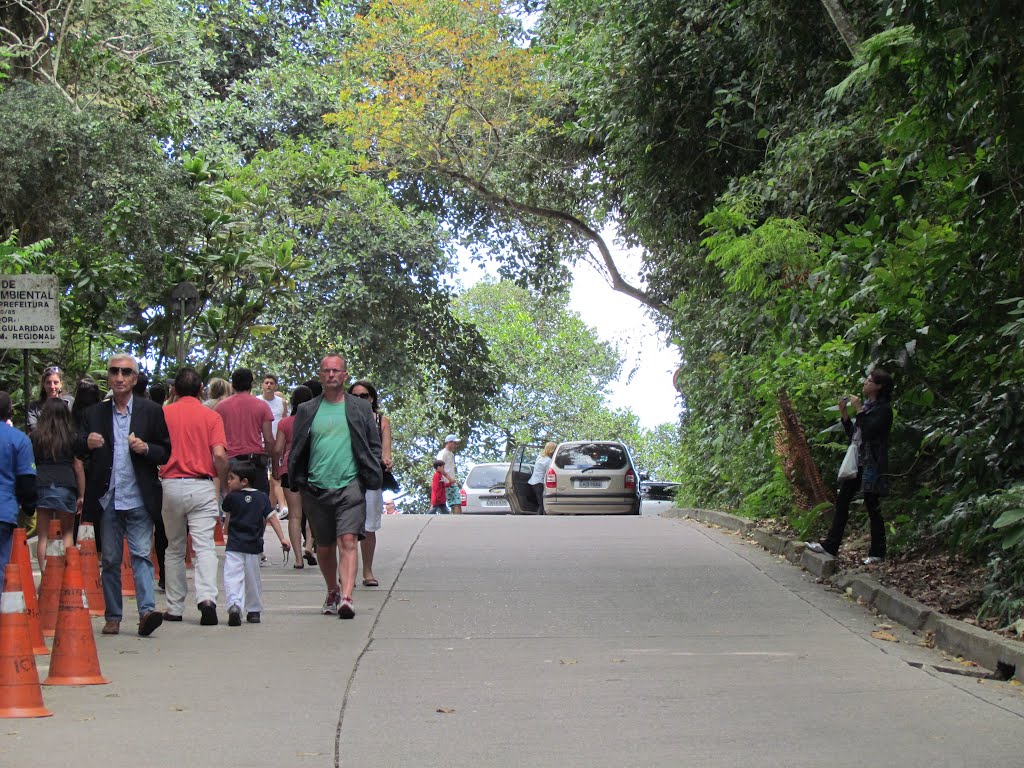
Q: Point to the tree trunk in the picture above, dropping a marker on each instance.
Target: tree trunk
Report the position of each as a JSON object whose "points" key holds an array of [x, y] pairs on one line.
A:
{"points": [[842, 24]]}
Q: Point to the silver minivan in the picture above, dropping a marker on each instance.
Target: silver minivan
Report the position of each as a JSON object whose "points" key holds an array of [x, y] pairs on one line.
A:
{"points": [[586, 477]]}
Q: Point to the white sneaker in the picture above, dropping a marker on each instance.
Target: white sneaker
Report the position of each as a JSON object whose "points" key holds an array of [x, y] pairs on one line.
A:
{"points": [[283, 514], [815, 547], [873, 560]]}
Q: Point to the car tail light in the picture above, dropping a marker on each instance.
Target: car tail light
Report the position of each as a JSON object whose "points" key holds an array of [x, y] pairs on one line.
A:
{"points": [[551, 479], [630, 480], [462, 497]]}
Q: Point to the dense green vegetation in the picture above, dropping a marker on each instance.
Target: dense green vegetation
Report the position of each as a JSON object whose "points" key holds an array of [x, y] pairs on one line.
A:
{"points": [[805, 213]]}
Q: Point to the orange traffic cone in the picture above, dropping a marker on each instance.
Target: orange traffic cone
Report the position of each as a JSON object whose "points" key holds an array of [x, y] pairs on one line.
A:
{"points": [[218, 534], [127, 575], [74, 660], [49, 585], [23, 559], [20, 694], [91, 576]]}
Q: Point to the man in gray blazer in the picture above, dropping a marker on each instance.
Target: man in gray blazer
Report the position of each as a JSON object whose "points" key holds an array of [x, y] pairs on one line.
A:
{"points": [[335, 458]]}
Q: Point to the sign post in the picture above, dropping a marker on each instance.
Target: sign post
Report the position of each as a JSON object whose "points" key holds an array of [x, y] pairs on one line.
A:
{"points": [[29, 317]]}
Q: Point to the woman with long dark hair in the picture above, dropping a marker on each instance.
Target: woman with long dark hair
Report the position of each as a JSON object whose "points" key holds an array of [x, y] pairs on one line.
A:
{"points": [[869, 431], [60, 476], [282, 446], [374, 499]]}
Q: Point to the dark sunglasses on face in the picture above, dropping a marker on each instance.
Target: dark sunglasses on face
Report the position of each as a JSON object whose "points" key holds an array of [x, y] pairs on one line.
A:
{"points": [[364, 395], [114, 370]]}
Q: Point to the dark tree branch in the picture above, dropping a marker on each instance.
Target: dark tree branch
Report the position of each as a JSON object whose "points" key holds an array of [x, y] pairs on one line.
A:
{"points": [[615, 279]]}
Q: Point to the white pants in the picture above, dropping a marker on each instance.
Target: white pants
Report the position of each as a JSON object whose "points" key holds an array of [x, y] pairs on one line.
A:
{"points": [[242, 585], [190, 506]]}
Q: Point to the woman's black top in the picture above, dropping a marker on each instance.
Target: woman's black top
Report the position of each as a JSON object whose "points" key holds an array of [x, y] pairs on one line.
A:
{"points": [[874, 424], [59, 471]]}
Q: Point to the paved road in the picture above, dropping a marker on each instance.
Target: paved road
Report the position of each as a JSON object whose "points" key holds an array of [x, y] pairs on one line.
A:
{"points": [[506, 641]]}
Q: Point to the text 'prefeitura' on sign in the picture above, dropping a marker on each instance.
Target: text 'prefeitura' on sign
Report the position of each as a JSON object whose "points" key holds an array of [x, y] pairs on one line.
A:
{"points": [[29, 312]]}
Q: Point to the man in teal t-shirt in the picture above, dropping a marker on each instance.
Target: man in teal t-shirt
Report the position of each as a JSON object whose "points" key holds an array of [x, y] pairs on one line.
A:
{"points": [[331, 464], [335, 458]]}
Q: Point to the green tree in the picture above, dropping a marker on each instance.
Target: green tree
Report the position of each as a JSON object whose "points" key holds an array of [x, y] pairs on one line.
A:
{"points": [[555, 371]]}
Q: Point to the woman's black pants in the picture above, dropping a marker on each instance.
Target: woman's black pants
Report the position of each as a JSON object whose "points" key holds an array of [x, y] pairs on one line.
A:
{"points": [[847, 490], [538, 492]]}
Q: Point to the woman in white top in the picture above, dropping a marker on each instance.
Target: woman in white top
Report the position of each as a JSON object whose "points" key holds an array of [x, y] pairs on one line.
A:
{"points": [[540, 469]]}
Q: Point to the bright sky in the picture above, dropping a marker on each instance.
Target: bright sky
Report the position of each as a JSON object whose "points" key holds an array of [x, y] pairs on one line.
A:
{"points": [[623, 322]]}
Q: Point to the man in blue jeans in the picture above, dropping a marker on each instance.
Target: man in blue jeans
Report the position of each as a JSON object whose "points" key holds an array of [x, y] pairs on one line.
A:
{"points": [[126, 440], [17, 481]]}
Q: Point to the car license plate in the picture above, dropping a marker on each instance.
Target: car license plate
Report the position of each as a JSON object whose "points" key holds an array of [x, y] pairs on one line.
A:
{"points": [[495, 503], [591, 483]]}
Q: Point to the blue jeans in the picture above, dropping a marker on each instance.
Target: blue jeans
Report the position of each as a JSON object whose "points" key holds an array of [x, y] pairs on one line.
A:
{"points": [[6, 542], [137, 525]]}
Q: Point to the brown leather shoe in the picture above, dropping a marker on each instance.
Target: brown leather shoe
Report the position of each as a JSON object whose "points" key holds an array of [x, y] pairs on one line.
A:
{"points": [[112, 627], [149, 623]]}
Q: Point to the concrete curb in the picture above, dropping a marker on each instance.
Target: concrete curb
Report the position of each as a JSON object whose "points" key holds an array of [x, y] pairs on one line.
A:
{"points": [[1003, 657]]}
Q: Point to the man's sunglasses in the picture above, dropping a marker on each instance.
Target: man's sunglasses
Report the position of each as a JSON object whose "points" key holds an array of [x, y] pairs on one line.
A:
{"points": [[114, 370]]}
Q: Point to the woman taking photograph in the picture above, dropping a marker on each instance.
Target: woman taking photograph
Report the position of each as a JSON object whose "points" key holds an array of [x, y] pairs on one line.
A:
{"points": [[869, 432], [60, 476], [374, 499]]}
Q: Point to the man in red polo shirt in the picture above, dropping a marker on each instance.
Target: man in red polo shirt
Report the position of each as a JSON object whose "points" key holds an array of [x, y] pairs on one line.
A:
{"points": [[247, 424], [191, 504]]}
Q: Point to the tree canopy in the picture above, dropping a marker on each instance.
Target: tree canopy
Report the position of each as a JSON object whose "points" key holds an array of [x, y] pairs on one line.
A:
{"points": [[817, 188]]}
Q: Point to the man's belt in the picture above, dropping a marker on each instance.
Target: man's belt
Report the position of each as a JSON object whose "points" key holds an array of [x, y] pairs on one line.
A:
{"points": [[256, 458]]}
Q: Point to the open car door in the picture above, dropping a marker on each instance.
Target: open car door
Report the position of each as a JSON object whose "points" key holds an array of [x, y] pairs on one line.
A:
{"points": [[517, 482]]}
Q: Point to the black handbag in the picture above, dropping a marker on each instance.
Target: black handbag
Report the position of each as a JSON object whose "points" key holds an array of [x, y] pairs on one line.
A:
{"points": [[389, 483]]}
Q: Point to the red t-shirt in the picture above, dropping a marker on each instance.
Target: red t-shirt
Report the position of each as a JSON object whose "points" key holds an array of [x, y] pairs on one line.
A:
{"points": [[244, 416], [284, 426], [437, 488], [194, 430]]}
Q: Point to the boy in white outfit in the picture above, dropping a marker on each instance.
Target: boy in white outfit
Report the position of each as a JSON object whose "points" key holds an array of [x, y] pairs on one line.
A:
{"points": [[246, 511]]}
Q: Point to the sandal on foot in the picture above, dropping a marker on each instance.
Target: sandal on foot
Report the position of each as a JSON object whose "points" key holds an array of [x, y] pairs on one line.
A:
{"points": [[371, 583], [308, 557]]}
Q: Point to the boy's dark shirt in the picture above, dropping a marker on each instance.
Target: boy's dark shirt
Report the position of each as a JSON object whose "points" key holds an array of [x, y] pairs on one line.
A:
{"points": [[249, 509]]}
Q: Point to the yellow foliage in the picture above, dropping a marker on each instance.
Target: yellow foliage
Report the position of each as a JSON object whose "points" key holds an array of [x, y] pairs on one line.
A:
{"points": [[443, 84]]}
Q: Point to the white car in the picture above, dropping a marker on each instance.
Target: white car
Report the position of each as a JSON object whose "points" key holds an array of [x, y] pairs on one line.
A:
{"points": [[657, 496], [483, 493]]}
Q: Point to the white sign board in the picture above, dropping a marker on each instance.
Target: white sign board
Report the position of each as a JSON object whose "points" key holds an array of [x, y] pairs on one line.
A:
{"points": [[29, 312]]}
